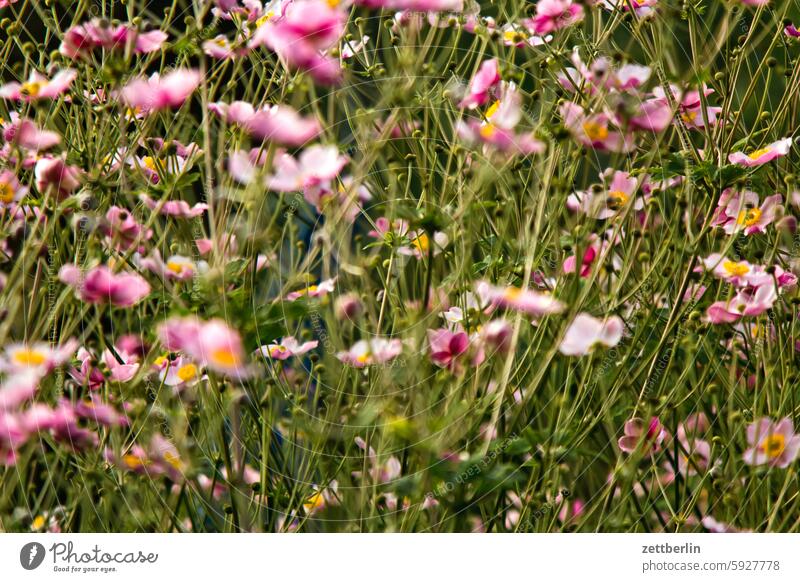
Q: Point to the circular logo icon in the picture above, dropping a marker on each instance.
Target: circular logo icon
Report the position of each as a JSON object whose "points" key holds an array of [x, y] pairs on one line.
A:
{"points": [[31, 555]]}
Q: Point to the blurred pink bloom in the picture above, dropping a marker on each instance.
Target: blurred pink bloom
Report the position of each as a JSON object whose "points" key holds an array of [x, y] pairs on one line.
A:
{"points": [[553, 15], [771, 443], [791, 30], [348, 306], [380, 472], [486, 79], [211, 343], [319, 290], [220, 47], [56, 176], [525, 300], [17, 389], [174, 208], [640, 7], [316, 166], [650, 436], [102, 285], [371, 352], [615, 196], [27, 135], [414, 5], [287, 348], [160, 458], [585, 332], [80, 40], [11, 191], [446, 347], [38, 86], [278, 123], [497, 335], [176, 267], [690, 105], [156, 92], [740, 211], [762, 155], [39, 358], [122, 231], [302, 34], [100, 412], [595, 131]]}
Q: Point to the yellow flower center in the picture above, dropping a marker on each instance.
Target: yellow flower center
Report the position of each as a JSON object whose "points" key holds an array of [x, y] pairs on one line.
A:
{"points": [[187, 372], [265, 18], [595, 131], [421, 243], [774, 445], [314, 502], [175, 267], [307, 290], [514, 36], [492, 109], [153, 164], [618, 197], [224, 357], [38, 522], [160, 361], [6, 193], [487, 131], [689, 116], [735, 269], [32, 88], [512, 293], [30, 357], [758, 153], [133, 461], [749, 217], [363, 358], [221, 42], [173, 459]]}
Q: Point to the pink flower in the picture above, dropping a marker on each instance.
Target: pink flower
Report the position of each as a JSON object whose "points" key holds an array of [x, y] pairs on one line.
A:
{"points": [[160, 458], [100, 412], [316, 167], [585, 332], [176, 267], [613, 198], [156, 93], [649, 436], [102, 285], [39, 87], [11, 191], [497, 129], [371, 352], [56, 176], [486, 79], [791, 30], [302, 34], [748, 302], [80, 40], [174, 208], [39, 358], [553, 15], [315, 291], [497, 335], [446, 347], [595, 131], [18, 389], [690, 105], [122, 231], [179, 373], [27, 135], [771, 443], [524, 300], [287, 348], [762, 155], [211, 343], [278, 123], [414, 5], [221, 48], [640, 7], [741, 211]]}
